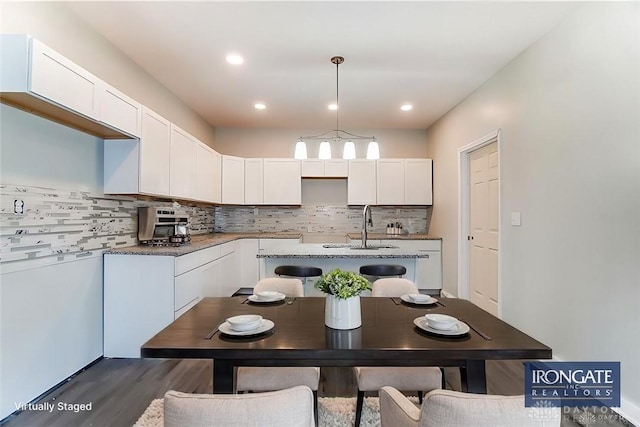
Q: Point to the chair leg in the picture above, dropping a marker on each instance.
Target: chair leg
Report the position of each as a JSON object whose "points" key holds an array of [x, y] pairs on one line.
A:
{"points": [[420, 397], [315, 406], [444, 380], [359, 403]]}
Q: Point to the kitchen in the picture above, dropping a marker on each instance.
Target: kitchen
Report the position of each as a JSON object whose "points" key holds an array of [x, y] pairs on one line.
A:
{"points": [[578, 197]]}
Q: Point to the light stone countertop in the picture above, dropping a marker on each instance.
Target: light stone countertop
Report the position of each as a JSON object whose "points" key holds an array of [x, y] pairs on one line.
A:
{"points": [[384, 236], [317, 250], [198, 242]]}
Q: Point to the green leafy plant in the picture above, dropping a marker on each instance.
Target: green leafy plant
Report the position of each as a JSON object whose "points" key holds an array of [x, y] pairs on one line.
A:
{"points": [[342, 284]]}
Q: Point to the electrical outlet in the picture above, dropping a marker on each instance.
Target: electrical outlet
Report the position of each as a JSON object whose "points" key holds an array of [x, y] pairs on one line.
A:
{"points": [[255, 211], [515, 219], [18, 207], [309, 229]]}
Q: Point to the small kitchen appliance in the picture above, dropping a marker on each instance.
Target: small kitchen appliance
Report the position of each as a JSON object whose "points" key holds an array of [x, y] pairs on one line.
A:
{"points": [[160, 226]]}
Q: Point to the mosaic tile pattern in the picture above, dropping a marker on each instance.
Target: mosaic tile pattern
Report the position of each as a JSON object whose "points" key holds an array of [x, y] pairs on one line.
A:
{"points": [[323, 219], [63, 225]]}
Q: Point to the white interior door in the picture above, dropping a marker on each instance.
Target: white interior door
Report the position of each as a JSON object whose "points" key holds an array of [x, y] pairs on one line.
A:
{"points": [[483, 227]]}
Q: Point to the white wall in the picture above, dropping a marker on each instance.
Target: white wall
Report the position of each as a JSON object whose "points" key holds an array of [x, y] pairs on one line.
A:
{"points": [[53, 24], [569, 109], [281, 142]]}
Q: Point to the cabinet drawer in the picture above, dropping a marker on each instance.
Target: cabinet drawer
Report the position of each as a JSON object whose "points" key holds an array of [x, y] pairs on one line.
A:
{"points": [[187, 262], [210, 254], [227, 248]]}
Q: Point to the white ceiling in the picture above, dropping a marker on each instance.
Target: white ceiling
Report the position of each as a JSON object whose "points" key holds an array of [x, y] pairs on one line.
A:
{"points": [[429, 54]]}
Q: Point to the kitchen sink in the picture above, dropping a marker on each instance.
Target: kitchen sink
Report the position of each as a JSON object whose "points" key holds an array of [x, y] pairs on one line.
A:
{"points": [[357, 246]]}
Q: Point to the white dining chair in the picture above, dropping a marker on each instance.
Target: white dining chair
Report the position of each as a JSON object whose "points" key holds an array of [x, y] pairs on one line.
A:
{"points": [[447, 408], [370, 378], [260, 379], [288, 407]]}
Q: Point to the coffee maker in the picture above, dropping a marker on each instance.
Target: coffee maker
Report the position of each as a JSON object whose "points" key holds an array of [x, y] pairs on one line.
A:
{"points": [[159, 226]]}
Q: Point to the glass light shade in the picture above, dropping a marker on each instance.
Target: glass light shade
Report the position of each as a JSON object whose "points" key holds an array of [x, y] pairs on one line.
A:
{"points": [[349, 150], [325, 150], [373, 151], [301, 150]]}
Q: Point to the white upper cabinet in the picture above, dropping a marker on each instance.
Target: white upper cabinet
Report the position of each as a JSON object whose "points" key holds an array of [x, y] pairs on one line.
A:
{"points": [[253, 181], [336, 168], [118, 110], [39, 80], [182, 165], [155, 143], [282, 183], [232, 180], [312, 168], [390, 181], [207, 180], [56, 78], [140, 166], [361, 182], [317, 168], [418, 179]]}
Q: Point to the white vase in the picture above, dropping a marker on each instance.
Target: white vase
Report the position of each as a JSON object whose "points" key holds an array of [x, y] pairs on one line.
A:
{"points": [[342, 313]]}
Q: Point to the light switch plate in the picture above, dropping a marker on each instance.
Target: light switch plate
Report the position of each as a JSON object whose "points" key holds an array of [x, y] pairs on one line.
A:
{"points": [[515, 218]]}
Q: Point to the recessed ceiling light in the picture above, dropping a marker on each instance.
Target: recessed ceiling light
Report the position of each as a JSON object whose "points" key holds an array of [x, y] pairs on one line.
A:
{"points": [[260, 106], [407, 107], [235, 59], [333, 106]]}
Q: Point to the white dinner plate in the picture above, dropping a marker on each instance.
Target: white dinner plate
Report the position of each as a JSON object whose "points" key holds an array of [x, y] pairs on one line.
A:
{"points": [[407, 298], [461, 328], [256, 298], [265, 326]]}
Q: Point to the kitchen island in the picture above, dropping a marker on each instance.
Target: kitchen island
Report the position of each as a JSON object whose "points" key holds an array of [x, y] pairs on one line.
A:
{"points": [[421, 261]]}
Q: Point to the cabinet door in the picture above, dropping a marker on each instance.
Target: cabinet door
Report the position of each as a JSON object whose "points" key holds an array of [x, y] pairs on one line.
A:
{"points": [[58, 79], [188, 288], [249, 264], [210, 279], [418, 188], [182, 168], [205, 179], [230, 274], [232, 180], [155, 142], [118, 110], [336, 168], [312, 168], [390, 181], [429, 270], [282, 183], [253, 181], [361, 182], [216, 175]]}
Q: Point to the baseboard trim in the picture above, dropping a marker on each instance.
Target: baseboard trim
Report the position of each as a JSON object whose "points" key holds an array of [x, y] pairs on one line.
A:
{"points": [[446, 294]]}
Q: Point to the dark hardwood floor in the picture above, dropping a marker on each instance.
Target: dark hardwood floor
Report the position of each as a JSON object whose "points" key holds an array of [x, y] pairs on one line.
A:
{"points": [[120, 390]]}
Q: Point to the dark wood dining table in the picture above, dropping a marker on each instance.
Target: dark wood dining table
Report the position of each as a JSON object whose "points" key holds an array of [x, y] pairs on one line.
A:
{"points": [[387, 337]]}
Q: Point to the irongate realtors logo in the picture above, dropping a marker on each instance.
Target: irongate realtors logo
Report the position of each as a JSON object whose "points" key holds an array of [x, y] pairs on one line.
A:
{"points": [[572, 383]]}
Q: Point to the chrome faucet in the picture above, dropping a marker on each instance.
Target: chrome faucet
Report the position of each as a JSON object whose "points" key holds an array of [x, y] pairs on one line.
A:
{"points": [[363, 233]]}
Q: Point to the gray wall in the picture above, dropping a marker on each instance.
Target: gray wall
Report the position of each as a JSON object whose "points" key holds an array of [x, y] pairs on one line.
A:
{"points": [[569, 109]]}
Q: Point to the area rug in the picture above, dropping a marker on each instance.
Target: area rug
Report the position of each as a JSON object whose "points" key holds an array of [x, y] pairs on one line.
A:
{"points": [[332, 412]]}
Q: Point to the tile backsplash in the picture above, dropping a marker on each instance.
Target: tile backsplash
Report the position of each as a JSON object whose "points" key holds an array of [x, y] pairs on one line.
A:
{"points": [[65, 225], [316, 218]]}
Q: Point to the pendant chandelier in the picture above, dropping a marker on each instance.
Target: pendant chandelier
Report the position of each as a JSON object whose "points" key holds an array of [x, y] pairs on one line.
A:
{"points": [[337, 136]]}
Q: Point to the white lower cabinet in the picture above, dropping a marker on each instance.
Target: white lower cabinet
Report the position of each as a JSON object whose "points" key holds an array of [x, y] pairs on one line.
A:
{"points": [[428, 273]]}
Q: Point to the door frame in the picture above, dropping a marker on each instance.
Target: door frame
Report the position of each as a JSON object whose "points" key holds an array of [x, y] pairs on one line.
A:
{"points": [[464, 212]]}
